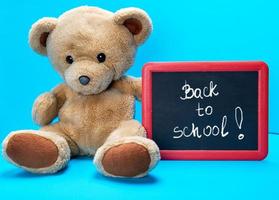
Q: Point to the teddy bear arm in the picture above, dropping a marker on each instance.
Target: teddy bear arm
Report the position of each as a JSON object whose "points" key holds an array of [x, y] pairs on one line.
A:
{"points": [[61, 92], [47, 105], [129, 85]]}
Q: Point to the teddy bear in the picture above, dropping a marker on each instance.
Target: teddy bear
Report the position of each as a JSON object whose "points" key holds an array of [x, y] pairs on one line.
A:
{"points": [[91, 48]]}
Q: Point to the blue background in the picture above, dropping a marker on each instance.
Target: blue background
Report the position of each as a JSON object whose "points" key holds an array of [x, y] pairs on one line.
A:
{"points": [[196, 30]]}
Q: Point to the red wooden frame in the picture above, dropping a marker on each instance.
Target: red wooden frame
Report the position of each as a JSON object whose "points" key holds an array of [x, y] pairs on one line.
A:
{"points": [[262, 69]]}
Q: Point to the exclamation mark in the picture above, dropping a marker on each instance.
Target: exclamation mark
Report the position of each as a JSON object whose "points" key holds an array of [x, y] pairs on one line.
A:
{"points": [[238, 114]]}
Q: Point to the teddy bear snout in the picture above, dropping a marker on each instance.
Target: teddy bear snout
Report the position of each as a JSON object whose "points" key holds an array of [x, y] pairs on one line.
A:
{"points": [[84, 80]]}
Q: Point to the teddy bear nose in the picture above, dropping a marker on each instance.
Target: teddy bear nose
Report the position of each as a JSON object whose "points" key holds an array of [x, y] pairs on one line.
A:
{"points": [[84, 80]]}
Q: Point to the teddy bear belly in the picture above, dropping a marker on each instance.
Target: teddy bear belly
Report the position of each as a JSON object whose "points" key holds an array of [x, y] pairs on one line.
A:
{"points": [[90, 120]]}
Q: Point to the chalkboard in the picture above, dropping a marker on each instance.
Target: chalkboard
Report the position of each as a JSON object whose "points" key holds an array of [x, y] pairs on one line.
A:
{"points": [[207, 110]]}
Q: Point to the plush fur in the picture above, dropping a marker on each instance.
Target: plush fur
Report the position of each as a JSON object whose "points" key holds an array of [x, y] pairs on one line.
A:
{"points": [[95, 117]]}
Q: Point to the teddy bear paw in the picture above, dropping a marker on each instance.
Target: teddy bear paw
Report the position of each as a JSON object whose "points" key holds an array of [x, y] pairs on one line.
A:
{"points": [[133, 157], [36, 151], [126, 160]]}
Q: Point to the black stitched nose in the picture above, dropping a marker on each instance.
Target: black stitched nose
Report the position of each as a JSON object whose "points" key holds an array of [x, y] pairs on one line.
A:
{"points": [[84, 80]]}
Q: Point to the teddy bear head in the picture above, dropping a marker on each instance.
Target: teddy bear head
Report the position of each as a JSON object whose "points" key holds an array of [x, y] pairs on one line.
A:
{"points": [[90, 47]]}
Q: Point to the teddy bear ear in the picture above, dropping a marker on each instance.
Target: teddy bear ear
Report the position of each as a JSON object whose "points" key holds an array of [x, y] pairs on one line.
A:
{"points": [[39, 33], [136, 21]]}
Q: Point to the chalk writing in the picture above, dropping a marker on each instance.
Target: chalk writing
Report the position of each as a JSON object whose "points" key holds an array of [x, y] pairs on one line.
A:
{"points": [[238, 114], [199, 93], [209, 91]]}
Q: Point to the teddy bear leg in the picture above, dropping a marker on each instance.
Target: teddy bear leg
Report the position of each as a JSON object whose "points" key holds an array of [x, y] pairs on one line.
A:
{"points": [[127, 152], [37, 151]]}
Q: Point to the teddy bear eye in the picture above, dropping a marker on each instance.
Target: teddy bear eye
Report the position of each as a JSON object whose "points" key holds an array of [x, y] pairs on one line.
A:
{"points": [[101, 57], [69, 59]]}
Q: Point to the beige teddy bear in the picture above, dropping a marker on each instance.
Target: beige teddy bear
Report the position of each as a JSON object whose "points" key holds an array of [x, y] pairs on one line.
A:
{"points": [[91, 48]]}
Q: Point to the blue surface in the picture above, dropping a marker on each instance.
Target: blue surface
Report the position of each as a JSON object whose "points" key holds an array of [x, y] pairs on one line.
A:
{"points": [[183, 31], [170, 180]]}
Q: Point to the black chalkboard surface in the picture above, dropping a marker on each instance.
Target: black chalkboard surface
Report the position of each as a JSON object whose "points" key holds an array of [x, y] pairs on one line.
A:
{"points": [[215, 110]]}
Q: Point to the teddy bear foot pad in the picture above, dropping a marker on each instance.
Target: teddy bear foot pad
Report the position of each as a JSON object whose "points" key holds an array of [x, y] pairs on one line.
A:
{"points": [[127, 157], [36, 151], [126, 160]]}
